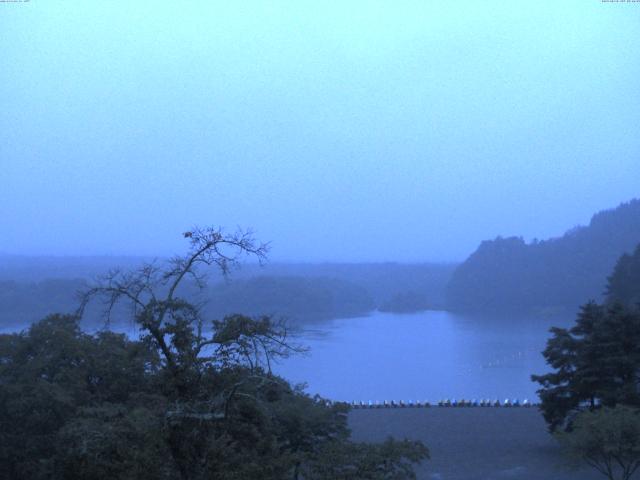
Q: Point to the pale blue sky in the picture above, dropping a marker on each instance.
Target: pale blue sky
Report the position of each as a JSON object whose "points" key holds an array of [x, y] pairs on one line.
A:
{"points": [[337, 130]]}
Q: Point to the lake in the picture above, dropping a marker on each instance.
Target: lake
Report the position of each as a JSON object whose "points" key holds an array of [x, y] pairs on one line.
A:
{"points": [[423, 356]]}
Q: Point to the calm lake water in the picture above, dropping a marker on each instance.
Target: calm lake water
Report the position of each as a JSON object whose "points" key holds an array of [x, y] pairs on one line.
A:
{"points": [[423, 356]]}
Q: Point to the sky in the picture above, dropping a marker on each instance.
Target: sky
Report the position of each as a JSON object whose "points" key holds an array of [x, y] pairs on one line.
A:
{"points": [[337, 131]]}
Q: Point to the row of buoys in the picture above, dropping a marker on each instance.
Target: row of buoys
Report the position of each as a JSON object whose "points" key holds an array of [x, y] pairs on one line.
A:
{"points": [[484, 403], [504, 361], [443, 403]]}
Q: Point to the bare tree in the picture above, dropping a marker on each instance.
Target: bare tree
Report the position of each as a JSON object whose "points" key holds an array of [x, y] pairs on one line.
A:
{"points": [[176, 326], [208, 246]]}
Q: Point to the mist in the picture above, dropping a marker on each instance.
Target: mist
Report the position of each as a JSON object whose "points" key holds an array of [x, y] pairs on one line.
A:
{"points": [[347, 133], [319, 240]]}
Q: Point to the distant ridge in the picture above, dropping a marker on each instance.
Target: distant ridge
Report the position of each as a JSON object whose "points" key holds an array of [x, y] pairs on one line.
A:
{"points": [[510, 275]]}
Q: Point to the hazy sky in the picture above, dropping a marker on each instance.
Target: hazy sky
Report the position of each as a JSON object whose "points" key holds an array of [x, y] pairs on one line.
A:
{"points": [[337, 130]]}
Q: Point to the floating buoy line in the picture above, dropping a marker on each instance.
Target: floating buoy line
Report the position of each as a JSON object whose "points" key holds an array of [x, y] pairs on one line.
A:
{"points": [[452, 403]]}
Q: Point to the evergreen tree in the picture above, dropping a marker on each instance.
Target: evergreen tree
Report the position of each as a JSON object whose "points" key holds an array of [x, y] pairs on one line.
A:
{"points": [[624, 282], [596, 362]]}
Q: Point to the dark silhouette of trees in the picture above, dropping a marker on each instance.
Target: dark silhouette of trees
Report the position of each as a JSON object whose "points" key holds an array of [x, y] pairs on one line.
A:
{"points": [[508, 274], [596, 362], [607, 439], [68, 398], [624, 282], [591, 398], [191, 399]]}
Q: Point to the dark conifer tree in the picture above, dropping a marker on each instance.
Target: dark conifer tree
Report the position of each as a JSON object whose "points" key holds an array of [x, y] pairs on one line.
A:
{"points": [[597, 361], [624, 282]]}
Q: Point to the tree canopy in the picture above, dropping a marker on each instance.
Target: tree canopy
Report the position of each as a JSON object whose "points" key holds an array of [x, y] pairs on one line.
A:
{"points": [[591, 398], [596, 362], [624, 283], [190, 399], [607, 439]]}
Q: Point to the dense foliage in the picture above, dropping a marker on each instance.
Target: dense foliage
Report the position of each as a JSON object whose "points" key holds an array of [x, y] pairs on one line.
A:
{"points": [[624, 282], [607, 439], [591, 400], [597, 361], [74, 405], [509, 274], [191, 399]]}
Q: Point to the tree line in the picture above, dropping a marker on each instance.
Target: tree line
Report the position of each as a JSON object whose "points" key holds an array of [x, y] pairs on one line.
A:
{"points": [[509, 274]]}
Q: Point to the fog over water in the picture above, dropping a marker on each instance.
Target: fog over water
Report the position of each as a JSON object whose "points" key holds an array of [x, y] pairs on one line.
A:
{"points": [[338, 131]]}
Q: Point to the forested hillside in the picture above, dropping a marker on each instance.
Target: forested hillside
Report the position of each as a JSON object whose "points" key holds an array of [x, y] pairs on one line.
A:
{"points": [[508, 274], [32, 287], [299, 299], [624, 282], [22, 303]]}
